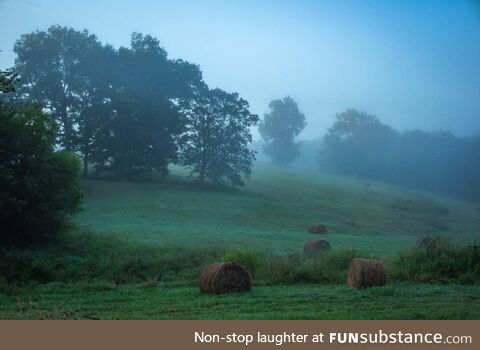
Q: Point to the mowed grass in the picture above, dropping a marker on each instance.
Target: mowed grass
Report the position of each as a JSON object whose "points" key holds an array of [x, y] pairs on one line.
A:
{"points": [[273, 211], [106, 301], [139, 248]]}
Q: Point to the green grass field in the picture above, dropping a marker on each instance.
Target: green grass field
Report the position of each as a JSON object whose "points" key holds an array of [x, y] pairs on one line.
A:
{"points": [[105, 301], [269, 216], [271, 213]]}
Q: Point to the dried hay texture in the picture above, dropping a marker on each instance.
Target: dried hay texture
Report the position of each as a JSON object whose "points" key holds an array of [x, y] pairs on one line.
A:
{"points": [[315, 247], [320, 229], [228, 277], [364, 273]]}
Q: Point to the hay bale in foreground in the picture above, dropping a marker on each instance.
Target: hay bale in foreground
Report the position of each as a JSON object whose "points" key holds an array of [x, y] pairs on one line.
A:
{"points": [[320, 229], [226, 277], [425, 242], [363, 273], [315, 247]]}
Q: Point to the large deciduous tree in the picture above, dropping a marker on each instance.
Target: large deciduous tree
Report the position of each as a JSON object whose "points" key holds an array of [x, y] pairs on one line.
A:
{"points": [[357, 143], [139, 134], [279, 128], [118, 108], [51, 67], [215, 142]]}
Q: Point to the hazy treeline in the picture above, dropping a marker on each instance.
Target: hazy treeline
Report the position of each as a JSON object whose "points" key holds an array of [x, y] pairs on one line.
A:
{"points": [[132, 111], [359, 144]]}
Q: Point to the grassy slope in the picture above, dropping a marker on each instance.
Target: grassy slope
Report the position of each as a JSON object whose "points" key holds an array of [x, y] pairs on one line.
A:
{"points": [[271, 213]]}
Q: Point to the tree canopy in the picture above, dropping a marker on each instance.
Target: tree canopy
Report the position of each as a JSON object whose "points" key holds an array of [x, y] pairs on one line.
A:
{"points": [[215, 142], [359, 144], [52, 65], [279, 128], [143, 121], [7, 80], [39, 187], [127, 111]]}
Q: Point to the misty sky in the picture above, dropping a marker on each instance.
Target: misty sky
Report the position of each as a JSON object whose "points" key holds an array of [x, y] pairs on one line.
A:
{"points": [[415, 64]]}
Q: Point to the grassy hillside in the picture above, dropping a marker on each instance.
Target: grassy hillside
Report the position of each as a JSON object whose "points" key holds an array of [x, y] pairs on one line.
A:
{"points": [[272, 212], [139, 248]]}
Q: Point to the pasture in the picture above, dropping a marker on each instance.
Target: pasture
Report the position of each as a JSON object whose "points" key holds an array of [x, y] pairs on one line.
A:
{"points": [[136, 251]]}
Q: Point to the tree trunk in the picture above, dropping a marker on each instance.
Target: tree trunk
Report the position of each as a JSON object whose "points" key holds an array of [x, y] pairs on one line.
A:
{"points": [[85, 166], [202, 174]]}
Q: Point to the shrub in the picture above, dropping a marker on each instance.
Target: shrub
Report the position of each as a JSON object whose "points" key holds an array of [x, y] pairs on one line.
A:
{"points": [[86, 256], [447, 264], [251, 259], [83, 255], [39, 188], [330, 267]]}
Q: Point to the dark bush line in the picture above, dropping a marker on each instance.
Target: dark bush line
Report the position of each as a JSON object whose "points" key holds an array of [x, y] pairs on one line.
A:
{"points": [[87, 256], [448, 264], [84, 256]]}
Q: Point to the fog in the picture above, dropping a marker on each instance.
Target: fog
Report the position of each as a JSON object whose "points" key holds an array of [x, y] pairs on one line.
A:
{"points": [[413, 64], [157, 154], [379, 90]]}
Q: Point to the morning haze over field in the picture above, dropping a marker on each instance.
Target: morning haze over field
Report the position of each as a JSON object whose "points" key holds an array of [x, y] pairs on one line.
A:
{"points": [[413, 64], [239, 159]]}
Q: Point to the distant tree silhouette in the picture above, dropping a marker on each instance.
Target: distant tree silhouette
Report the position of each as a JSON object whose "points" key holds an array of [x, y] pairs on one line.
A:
{"points": [[215, 142], [279, 128], [50, 65], [359, 144], [141, 128], [118, 108], [129, 111]]}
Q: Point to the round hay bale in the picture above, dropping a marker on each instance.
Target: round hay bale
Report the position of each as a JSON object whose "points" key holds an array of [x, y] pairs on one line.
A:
{"points": [[425, 242], [363, 273], [228, 277], [315, 247], [320, 229]]}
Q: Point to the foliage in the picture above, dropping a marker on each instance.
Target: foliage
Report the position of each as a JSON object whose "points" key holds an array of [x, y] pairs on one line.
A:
{"points": [[121, 108], [140, 131], [328, 268], [7, 80], [443, 163], [358, 144], [39, 188], [251, 259], [51, 66], [83, 255], [446, 264], [86, 256], [279, 128], [215, 142]]}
